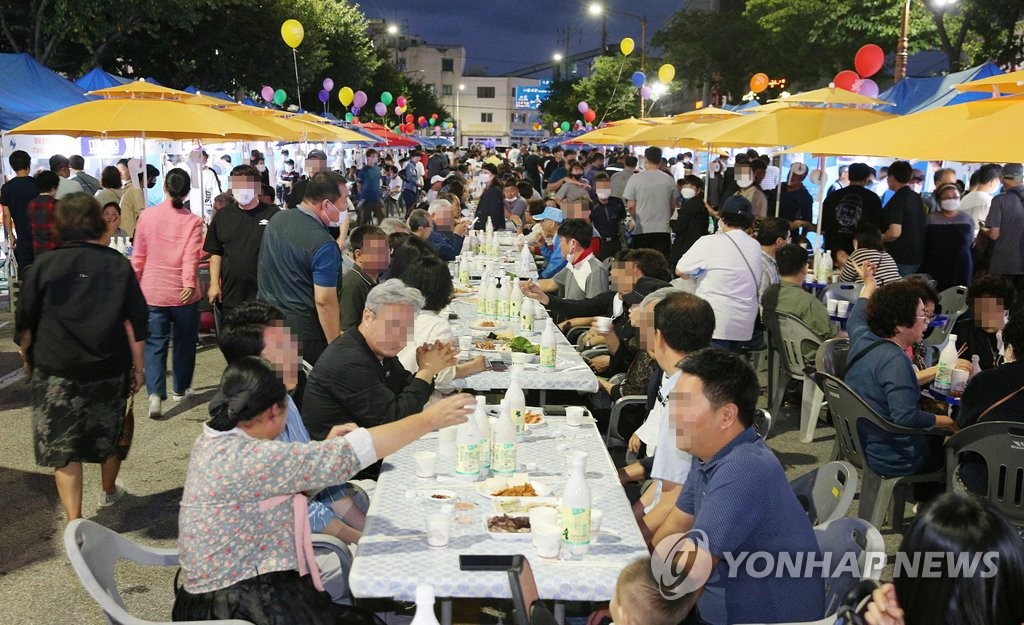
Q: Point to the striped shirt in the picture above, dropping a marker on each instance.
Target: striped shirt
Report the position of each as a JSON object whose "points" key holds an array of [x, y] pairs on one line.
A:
{"points": [[885, 267]]}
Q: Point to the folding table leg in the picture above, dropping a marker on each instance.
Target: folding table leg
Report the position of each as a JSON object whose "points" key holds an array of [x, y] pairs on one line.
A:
{"points": [[560, 612], [446, 611]]}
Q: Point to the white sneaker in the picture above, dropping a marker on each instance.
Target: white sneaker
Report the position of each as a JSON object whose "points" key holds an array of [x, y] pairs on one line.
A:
{"points": [[109, 499], [181, 396], [155, 410]]}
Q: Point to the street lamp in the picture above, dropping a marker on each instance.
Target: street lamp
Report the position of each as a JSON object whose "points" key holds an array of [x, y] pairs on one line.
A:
{"points": [[458, 114], [596, 8], [557, 58], [392, 30], [901, 46]]}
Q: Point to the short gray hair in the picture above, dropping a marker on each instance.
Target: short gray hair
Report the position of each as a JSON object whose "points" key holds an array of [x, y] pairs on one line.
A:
{"points": [[418, 218], [393, 291], [438, 205], [392, 225], [655, 297]]}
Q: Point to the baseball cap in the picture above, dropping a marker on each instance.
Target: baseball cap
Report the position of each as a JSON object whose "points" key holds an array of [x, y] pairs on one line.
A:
{"points": [[317, 154], [1013, 170], [643, 287], [552, 213], [737, 205], [437, 179], [861, 171]]}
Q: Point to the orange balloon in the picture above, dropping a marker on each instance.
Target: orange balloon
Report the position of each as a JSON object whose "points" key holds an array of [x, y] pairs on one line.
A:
{"points": [[759, 82]]}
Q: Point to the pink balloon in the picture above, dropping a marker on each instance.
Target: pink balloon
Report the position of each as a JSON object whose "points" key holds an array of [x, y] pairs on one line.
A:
{"points": [[401, 101], [583, 107], [398, 110], [267, 92], [645, 92], [359, 99], [868, 88]]}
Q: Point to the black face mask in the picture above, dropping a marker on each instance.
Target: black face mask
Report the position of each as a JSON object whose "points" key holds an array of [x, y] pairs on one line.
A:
{"points": [[576, 176]]}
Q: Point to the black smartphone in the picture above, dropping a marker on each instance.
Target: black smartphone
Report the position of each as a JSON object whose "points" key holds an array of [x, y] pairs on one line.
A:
{"points": [[498, 365], [486, 563], [452, 316]]}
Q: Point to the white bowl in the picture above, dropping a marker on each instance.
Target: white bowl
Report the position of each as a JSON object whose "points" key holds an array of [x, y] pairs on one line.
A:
{"points": [[520, 358]]}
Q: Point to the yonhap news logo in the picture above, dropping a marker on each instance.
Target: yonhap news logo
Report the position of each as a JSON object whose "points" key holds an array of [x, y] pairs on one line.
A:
{"points": [[681, 563]]}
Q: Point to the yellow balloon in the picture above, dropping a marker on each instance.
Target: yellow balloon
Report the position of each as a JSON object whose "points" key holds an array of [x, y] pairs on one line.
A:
{"points": [[626, 46], [345, 96], [666, 73], [292, 33], [558, 131]]}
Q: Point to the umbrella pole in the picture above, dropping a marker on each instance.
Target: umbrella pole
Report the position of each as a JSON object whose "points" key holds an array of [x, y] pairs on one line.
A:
{"points": [[778, 189], [145, 174], [821, 196]]}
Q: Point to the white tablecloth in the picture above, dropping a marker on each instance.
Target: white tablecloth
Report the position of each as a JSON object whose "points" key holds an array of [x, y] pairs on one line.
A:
{"points": [[393, 555]]}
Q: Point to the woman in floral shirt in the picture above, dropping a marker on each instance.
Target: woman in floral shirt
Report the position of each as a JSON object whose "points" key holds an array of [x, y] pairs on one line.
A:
{"points": [[244, 537]]}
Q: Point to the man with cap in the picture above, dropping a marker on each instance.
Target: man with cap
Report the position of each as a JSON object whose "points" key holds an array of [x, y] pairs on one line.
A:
{"points": [[436, 183], [316, 161], [796, 204], [726, 267], [549, 221], [60, 165], [844, 210], [133, 202], [1006, 227]]}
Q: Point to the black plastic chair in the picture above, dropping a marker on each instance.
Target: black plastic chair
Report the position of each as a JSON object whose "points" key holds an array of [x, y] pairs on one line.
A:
{"points": [[826, 493], [1001, 445], [878, 492]]}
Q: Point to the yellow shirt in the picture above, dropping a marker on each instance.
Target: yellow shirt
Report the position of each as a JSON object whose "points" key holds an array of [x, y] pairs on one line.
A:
{"points": [[132, 205]]}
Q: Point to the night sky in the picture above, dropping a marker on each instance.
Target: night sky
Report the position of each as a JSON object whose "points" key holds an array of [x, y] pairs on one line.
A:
{"points": [[505, 35]]}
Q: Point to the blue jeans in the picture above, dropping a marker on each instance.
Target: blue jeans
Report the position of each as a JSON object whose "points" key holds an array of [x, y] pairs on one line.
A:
{"points": [[184, 333], [906, 270], [727, 345]]}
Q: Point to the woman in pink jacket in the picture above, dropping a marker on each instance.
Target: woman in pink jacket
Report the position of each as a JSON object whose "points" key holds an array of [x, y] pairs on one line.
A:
{"points": [[166, 249]]}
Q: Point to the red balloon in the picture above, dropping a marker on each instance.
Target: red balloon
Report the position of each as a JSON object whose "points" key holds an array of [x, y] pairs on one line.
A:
{"points": [[590, 116], [846, 79], [410, 128], [408, 118], [869, 60], [433, 116], [422, 120]]}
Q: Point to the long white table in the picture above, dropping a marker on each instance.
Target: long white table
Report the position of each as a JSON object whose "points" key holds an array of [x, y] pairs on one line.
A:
{"points": [[393, 556]]}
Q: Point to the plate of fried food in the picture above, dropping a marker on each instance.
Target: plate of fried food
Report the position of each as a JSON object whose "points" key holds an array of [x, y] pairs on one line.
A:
{"points": [[518, 485], [464, 290], [505, 527], [490, 345], [534, 416], [487, 325]]}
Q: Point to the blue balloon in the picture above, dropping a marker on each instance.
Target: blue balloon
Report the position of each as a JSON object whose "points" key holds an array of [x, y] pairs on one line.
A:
{"points": [[639, 79]]}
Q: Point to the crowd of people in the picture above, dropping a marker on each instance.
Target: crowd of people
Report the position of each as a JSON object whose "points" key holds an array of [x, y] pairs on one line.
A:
{"points": [[331, 322]]}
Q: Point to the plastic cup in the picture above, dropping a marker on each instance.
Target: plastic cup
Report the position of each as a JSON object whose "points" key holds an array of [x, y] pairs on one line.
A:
{"points": [[439, 529], [425, 461], [603, 324], [843, 309], [595, 524], [543, 515], [465, 343], [574, 415], [959, 381], [547, 539], [833, 307], [446, 440]]}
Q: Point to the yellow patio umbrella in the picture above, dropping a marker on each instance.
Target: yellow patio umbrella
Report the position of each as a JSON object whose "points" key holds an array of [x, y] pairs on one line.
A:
{"points": [[831, 96], [788, 125], [142, 89], [985, 131], [707, 114], [1011, 83], [615, 133], [329, 132]]}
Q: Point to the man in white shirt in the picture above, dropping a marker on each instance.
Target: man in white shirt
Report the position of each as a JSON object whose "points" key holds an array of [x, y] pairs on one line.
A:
{"points": [[60, 165], [671, 325], [649, 198], [583, 275], [977, 202], [726, 267]]}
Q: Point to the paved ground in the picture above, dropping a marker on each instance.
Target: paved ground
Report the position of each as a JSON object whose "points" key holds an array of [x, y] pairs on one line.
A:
{"points": [[37, 585]]}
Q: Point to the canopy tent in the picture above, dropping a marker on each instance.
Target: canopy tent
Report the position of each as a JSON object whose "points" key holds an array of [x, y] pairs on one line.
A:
{"points": [[388, 139], [912, 95], [431, 142], [96, 78], [29, 90]]}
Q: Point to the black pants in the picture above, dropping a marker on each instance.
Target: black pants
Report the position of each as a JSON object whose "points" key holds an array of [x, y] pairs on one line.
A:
{"points": [[368, 211], [610, 246], [660, 241]]}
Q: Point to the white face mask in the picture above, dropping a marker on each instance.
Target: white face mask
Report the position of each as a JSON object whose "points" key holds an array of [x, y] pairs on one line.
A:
{"points": [[288, 168], [261, 168], [744, 181], [916, 187], [340, 219], [604, 194], [688, 193], [243, 196], [950, 205]]}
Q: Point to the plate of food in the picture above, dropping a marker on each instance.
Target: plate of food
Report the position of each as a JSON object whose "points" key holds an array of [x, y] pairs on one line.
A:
{"points": [[490, 345], [499, 487], [441, 496], [534, 416], [487, 325], [464, 290], [522, 506], [505, 527]]}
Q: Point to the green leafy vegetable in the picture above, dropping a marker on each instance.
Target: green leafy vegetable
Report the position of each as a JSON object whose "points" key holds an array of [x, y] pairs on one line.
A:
{"points": [[523, 345]]}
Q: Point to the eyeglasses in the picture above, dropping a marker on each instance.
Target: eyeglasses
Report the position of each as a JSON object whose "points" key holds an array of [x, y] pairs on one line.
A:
{"points": [[926, 317]]}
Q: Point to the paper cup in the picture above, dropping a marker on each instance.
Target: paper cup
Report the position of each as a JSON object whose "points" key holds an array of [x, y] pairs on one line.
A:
{"points": [[547, 539], [959, 382], [603, 324], [595, 524], [843, 309], [833, 306], [446, 440], [574, 415], [543, 515], [465, 343], [425, 461], [439, 528]]}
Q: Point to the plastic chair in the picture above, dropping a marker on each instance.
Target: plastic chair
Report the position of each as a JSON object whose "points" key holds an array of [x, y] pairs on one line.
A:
{"points": [[762, 423], [953, 304], [878, 492], [826, 493], [831, 357], [612, 438], [842, 537], [94, 551], [841, 291], [1001, 445], [789, 343]]}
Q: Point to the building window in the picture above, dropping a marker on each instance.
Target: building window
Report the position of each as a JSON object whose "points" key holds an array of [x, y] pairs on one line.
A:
{"points": [[447, 65], [487, 118], [518, 118], [485, 92], [446, 89]]}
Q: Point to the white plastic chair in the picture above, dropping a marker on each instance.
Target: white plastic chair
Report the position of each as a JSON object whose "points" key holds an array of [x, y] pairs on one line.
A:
{"points": [[792, 336], [94, 551]]}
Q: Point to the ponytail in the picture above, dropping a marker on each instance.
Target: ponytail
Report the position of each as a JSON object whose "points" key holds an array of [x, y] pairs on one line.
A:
{"points": [[177, 184], [248, 387]]}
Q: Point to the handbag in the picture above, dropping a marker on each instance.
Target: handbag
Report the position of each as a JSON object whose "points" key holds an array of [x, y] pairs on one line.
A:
{"points": [[124, 441]]}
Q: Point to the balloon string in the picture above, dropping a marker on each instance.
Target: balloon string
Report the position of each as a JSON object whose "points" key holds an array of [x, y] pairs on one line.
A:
{"points": [[611, 99], [298, 91]]}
